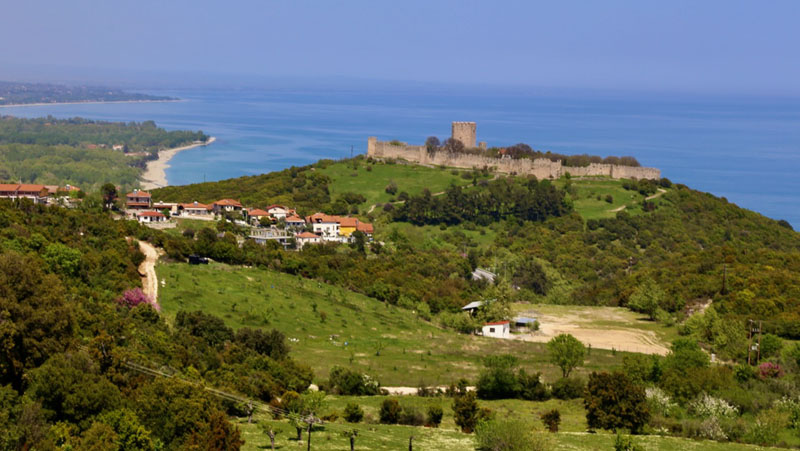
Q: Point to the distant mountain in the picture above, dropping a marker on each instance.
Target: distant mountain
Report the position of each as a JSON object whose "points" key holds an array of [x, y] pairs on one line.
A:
{"points": [[12, 93]]}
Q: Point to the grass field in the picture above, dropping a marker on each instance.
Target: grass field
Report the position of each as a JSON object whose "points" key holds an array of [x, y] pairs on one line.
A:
{"points": [[333, 326], [589, 197], [371, 184], [572, 433]]}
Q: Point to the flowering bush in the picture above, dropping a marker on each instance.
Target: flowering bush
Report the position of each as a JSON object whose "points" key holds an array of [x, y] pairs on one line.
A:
{"points": [[792, 407], [659, 401], [707, 406], [134, 297], [769, 370]]}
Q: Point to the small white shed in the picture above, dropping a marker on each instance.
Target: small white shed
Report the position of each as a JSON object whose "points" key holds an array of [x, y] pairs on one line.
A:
{"points": [[498, 329]]}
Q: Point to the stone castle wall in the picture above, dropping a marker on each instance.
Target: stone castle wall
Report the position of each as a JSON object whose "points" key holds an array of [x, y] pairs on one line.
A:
{"points": [[541, 168], [465, 132]]}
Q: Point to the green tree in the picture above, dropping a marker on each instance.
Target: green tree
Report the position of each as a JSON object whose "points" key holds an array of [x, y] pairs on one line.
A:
{"points": [[62, 259], [566, 352], [498, 379], [466, 411], [390, 411], [353, 413], [647, 299], [109, 192], [613, 402]]}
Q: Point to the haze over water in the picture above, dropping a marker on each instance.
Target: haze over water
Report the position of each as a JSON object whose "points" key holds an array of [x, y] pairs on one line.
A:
{"points": [[745, 149]]}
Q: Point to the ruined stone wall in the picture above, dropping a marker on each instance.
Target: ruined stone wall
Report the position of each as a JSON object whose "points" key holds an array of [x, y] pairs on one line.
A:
{"points": [[542, 168]]}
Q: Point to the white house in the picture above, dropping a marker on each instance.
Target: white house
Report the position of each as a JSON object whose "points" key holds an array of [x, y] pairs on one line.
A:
{"points": [[195, 209], [324, 225], [498, 329], [277, 211], [146, 217], [307, 238], [295, 221]]}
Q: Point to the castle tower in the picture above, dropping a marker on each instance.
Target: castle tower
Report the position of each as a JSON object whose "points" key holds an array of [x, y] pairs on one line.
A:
{"points": [[464, 132]]}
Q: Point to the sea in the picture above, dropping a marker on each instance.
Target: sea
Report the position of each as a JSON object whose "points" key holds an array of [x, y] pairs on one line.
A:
{"points": [[743, 148]]}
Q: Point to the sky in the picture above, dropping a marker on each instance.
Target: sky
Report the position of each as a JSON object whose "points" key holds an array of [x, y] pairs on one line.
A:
{"points": [[746, 47]]}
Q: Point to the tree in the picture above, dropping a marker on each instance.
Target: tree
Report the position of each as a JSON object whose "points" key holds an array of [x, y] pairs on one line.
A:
{"points": [[566, 352], [551, 419], [432, 143], [530, 274], [359, 241], [613, 402], [647, 299], [109, 192], [465, 411], [390, 411], [453, 145], [435, 414], [498, 379], [353, 413]]}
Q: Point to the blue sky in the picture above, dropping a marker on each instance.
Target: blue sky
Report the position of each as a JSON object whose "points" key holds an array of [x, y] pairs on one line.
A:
{"points": [[703, 46]]}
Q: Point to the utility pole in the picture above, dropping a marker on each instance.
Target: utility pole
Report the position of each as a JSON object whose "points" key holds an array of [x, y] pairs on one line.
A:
{"points": [[410, 446]]}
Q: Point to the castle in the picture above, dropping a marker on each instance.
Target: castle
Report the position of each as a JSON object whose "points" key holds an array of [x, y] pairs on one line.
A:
{"points": [[465, 132]]}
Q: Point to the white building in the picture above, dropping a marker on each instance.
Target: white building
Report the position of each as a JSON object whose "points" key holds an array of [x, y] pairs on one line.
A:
{"points": [[307, 238], [147, 217], [325, 226], [277, 211], [499, 329]]}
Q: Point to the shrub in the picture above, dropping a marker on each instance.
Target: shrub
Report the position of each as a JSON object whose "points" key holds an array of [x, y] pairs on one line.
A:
{"points": [[391, 188], [498, 379], [707, 406], [766, 427], [531, 387], [568, 388], [551, 419], [612, 402], [435, 414], [707, 428], [411, 416], [353, 413], [347, 382], [509, 435], [769, 370], [390, 411], [465, 411], [134, 297], [609, 198], [659, 401], [625, 443], [770, 345]]}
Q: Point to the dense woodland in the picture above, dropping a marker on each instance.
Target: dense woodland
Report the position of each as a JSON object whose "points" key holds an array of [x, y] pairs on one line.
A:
{"points": [[14, 93], [80, 151]]}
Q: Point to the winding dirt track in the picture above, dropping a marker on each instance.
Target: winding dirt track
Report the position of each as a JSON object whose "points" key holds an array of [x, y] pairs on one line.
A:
{"points": [[148, 270]]}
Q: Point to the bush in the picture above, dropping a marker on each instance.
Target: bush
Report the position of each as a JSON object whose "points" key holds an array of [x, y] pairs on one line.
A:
{"points": [[659, 401], [509, 435], [769, 370], [353, 413], [411, 416], [766, 427], [612, 402], [568, 388], [465, 411], [390, 411], [435, 414], [498, 379], [347, 382], [391, 188], [707, 406], [551, 419], [625, 443], [531, 387], [609, 198]]}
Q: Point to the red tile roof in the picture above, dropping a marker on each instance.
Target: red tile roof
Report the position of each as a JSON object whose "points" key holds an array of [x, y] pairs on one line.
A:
{"points": [[322, 217], [307, 235], [138, 193], [365, 227], [228, 202], [152, 214], [497, 323], [294, 218], [348, 222], [257, 212], [8, 186], [30, 188], [276, 206]]}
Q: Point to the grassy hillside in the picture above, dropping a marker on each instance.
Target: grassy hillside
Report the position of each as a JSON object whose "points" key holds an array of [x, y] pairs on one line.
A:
{"points": [[333, 326]]}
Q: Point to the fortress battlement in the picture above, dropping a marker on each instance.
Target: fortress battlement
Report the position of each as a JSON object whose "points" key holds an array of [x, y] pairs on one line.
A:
{"points": [[465, 132]]}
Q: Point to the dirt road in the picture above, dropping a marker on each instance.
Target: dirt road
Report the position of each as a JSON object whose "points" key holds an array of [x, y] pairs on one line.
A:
{"points": [[148, 270]]}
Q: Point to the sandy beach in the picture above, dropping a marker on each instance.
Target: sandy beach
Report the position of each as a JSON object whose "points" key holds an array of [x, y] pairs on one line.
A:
{"points": [[155, 174]]}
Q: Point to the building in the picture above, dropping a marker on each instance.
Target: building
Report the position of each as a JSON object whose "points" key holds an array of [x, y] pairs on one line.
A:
{"points": [[171, 206], [472, 307], [497, 329], [325, 226], [278, 211], [295, 221], [347, 226], [254, 215], [149, 217], [36, 193], [307, 238], [195, 209], [226, 205], [524, 322], [138, 200], [464, 132]]}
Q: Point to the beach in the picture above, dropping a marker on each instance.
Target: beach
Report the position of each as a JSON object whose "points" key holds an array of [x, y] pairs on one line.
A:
{"points": [[155, 174]]}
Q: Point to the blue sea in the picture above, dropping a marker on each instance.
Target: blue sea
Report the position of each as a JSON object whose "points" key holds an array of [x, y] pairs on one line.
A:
{"points": [[746, 149]]}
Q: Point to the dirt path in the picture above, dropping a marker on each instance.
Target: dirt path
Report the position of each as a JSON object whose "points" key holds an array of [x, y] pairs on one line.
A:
{"points": [[617, 209], [660, 193], [148, 270], [598, 336]]}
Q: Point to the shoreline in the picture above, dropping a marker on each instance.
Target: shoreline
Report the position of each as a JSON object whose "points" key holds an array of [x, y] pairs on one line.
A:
{"points": [[155, 173], [13, 105]]}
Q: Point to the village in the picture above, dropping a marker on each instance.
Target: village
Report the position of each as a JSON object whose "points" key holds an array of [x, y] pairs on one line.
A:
{"points": [[273, 223]]}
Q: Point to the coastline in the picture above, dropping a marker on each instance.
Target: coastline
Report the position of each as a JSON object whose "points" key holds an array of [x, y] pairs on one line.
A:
{"points": [[12, 105], [155, 173]]}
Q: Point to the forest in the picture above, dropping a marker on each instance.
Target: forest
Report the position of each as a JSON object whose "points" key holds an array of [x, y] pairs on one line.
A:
{"points": [[81, 152], [15, 93]]}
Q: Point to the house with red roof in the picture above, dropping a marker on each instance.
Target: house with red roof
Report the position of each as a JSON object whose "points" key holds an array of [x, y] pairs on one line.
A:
{"points": [[138, 200], [254, 215], [226, 205], [149, 217], [497, 329], [305, 238], [195, 210], [278, 211], [37, 193]]}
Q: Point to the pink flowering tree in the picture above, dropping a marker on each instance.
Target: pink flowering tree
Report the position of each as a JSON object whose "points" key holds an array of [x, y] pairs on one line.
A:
{"points": [[769, 370], [134, 297]]}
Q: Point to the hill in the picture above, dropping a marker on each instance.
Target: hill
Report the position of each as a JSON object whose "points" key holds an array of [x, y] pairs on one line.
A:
{"points": [[14, 93]]}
